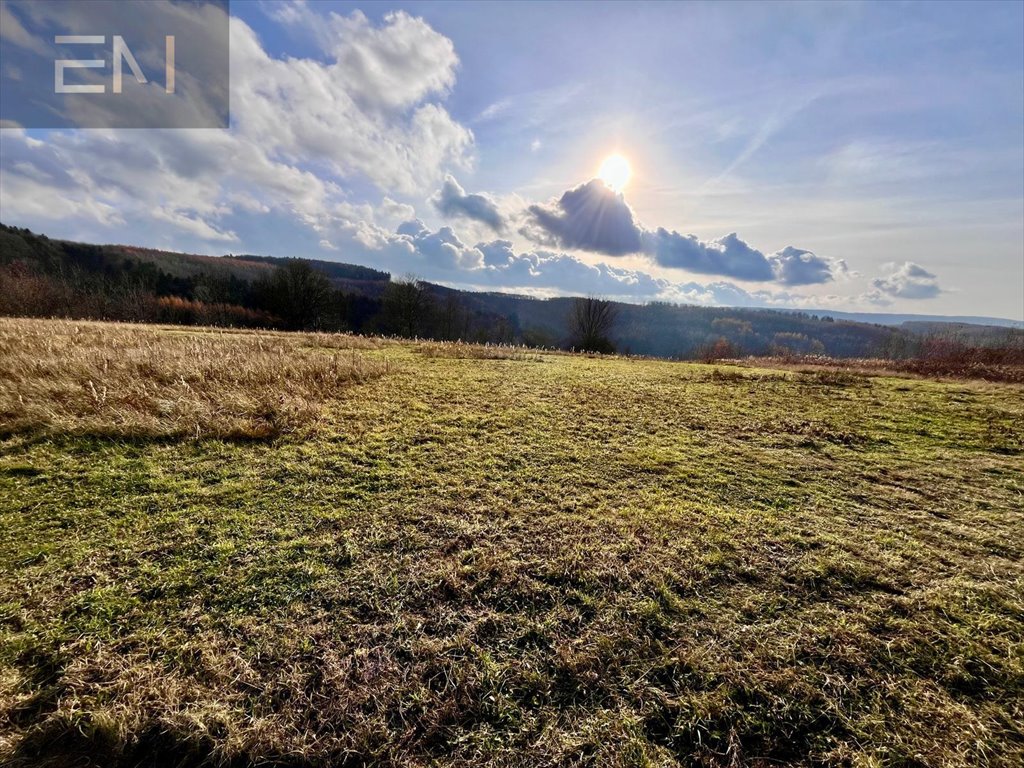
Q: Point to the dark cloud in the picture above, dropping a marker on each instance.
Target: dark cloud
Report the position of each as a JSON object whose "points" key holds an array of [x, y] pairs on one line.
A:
{"points": [[591, 217], [794, 266], [728, 256], [907, 281], [412, 228], [453, 201]]}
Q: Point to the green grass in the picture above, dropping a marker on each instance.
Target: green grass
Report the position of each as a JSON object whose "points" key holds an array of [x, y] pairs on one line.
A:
{"points": [[540, 559]]}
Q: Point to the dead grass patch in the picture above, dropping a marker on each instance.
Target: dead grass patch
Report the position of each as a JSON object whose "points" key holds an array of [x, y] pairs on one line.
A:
{"points": [[464, 351], [68, 377], [1010, 373], [743, 375]]}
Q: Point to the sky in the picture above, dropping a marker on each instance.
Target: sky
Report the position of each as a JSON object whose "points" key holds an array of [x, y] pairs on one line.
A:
{"points": [[853, 156]]}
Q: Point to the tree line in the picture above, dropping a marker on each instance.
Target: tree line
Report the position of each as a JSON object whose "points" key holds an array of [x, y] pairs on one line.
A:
{"points": [[52, 278]]}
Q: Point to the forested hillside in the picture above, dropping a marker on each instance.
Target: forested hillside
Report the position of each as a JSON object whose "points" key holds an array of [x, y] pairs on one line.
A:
{"points": [[43, 277]]}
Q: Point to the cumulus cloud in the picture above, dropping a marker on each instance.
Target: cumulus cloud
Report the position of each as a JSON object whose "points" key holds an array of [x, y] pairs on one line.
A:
{"points": [[367, 111], [590, 217], [795, 266], [728, 256], [904, 281], [441, 249], [547, 270], [453, 201], [395, 65], [302, 128], [442, 256], [391, 66], [392, 210], [593, 217], [342, 113]]}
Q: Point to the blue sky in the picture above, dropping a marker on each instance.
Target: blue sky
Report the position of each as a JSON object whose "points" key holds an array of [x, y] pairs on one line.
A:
{"points": [[865, 156]]}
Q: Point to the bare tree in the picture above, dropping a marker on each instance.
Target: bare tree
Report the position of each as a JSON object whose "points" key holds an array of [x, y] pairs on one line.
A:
{"points": [[407, 306], [298, 293], [453, 319], [590, 324]]}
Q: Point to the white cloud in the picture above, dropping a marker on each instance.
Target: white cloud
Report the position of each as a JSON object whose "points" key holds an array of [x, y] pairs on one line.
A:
{"points": [[30, 196], [302, 129], [903, 281], [369, 113], [795, 266], [395, 65], [193, 225], [442, 256], [12, 31], [390, 212], [441, 249], [293, 12], [304, 110], [492, 111]]}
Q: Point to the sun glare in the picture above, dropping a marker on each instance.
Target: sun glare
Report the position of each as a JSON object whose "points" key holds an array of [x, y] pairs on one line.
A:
{"points": [[615, 172]]}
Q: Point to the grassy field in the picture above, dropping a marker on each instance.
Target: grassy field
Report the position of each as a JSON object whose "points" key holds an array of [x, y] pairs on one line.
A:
{"points": [[312, 550]]}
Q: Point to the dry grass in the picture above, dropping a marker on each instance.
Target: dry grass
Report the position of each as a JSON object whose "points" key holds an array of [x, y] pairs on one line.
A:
{"points": [[492, 562], [460, 350], [932, 368], [113, 380]]}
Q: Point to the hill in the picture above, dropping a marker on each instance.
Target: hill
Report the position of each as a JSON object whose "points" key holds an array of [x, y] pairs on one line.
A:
{"points": [[45, 277], [286, 549], [333, 269], [889, 318]]}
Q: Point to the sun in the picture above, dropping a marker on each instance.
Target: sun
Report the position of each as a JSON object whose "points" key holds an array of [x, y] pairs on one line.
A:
{"points": [[615, 172]]}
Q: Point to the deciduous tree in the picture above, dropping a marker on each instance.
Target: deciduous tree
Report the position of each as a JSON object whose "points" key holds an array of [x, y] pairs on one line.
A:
{"points": [[590, 324]]}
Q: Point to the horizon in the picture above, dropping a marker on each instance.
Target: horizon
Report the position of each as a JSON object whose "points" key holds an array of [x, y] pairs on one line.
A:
{"points": [[841, 157], [822, 311]]}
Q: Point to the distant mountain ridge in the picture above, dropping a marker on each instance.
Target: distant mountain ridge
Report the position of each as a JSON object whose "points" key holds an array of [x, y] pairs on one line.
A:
{"points": [[890, 318]]}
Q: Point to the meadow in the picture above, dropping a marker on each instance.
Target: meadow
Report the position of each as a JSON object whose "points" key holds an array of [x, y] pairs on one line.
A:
{"points": [[259, 548]]}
